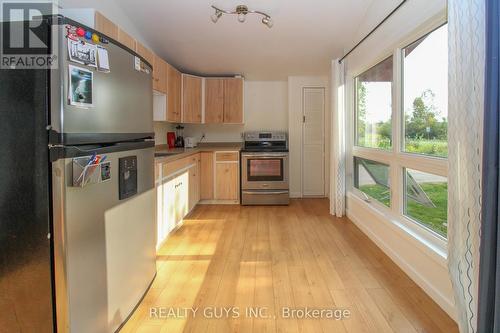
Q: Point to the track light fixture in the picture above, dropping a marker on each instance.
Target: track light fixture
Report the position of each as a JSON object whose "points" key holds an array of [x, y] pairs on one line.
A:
{"points": [[242, 12]]}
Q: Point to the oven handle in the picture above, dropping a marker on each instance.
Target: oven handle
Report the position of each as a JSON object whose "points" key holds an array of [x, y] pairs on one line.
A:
{"points": [[264, 193], [265, 155]]}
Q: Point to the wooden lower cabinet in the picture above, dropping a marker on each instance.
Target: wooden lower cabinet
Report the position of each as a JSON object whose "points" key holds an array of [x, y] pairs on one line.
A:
{"points": [[226, 181], [194, 183], [177, 193], [207, 175], [182, 183]]}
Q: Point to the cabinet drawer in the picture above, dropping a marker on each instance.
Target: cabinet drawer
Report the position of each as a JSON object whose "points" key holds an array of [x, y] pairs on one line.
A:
{"points": [[171, 167], [226, 156]]}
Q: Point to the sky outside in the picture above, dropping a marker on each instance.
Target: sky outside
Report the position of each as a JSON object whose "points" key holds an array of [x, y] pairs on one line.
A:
{"points": [[425, 68]]}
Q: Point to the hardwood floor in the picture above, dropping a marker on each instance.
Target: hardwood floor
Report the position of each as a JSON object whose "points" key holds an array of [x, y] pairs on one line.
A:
{"points": [[277, 259]]}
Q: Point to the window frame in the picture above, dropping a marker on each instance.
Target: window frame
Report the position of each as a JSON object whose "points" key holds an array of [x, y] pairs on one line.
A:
{"points": [[355, 85], [396, 157], [366, 197], [403, 127]]}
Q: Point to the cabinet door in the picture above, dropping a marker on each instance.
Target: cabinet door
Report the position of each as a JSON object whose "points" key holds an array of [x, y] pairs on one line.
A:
{"points": [[145, 53], [166, 210], [174, 78], [191, 99], [233, 101], [160, 75], [194, 186], [160, 234], [226, 181], [207, 176], [126, 39], [106, 26], [214, 101], [181, 191]]}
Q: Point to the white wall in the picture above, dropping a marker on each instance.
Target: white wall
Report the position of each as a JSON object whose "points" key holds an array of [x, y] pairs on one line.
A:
{"points": [[265, 108], [161, 129], [423, 262], [295, 113]]}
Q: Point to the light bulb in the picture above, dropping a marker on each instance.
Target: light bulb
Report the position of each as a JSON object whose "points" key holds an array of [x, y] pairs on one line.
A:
{"points": [[215, 17], [267, 21], [241, 17]]}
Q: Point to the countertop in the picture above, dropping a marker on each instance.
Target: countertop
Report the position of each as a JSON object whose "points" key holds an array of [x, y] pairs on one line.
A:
{"points": [[164, 154]]}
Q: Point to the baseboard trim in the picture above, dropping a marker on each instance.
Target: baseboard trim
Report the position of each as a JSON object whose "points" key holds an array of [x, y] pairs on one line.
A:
{"points": [[219, 202], [444, 302]]}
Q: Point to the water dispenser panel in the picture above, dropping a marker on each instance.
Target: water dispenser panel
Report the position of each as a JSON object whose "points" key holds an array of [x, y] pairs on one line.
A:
{"points": [[128, 177]]}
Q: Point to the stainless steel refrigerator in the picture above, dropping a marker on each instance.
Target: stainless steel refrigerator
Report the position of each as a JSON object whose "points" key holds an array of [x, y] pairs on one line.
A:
{"points": [[77, 228]]}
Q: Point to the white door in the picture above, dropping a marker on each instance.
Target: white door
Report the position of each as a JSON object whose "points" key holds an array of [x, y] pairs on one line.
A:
{"points": [[313, 142]]}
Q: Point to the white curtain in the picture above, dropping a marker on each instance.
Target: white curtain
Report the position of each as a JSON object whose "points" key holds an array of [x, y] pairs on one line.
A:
{"points": [[466, 33], [338, 162]]}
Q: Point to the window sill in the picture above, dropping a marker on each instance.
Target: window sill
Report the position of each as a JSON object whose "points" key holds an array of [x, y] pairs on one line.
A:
{"points": [[432, 245]]}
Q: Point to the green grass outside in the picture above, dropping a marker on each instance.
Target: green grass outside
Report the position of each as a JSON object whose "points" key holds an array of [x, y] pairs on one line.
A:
{"points": [[429, 147], [433, 218], [437, 148]]}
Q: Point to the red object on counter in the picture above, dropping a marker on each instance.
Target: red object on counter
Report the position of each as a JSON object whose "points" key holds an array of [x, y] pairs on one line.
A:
{"points": [[171, 139]]}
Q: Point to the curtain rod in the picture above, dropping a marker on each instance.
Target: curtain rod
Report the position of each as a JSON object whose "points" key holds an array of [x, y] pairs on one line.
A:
{"points": [[373, 30]]}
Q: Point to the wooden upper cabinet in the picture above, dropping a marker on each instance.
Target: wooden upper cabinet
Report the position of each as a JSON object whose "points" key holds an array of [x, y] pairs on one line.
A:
{"points": [[174, 89], [233, 101], [126, 39], [214, 100], [160, 75], [106, 26], [145, 53], [191, 99]]}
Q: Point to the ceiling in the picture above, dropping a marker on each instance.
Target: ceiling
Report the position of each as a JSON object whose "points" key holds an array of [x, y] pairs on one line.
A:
{"points": [[305, 37]]}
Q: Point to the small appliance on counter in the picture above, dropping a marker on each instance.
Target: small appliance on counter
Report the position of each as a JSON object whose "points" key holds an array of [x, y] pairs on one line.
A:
{"points": [[190, 142], [264, 169], [179, 141], [171, 140]]}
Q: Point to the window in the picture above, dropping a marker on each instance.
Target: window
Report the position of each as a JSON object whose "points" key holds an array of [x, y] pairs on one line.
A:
{"points": [[372, 178], [374, 106], [407, 170], [425, 87], [426, 199]]}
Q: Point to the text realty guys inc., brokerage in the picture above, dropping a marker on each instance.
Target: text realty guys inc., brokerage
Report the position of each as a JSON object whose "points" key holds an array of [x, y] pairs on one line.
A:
{"points": [[250, 312]]}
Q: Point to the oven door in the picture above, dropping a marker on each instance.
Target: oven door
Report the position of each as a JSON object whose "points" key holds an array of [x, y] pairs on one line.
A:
{"points": [[264, 171]]}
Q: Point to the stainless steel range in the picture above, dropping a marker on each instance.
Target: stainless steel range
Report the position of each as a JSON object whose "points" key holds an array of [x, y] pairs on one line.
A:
{"points": [[264, 169]]}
